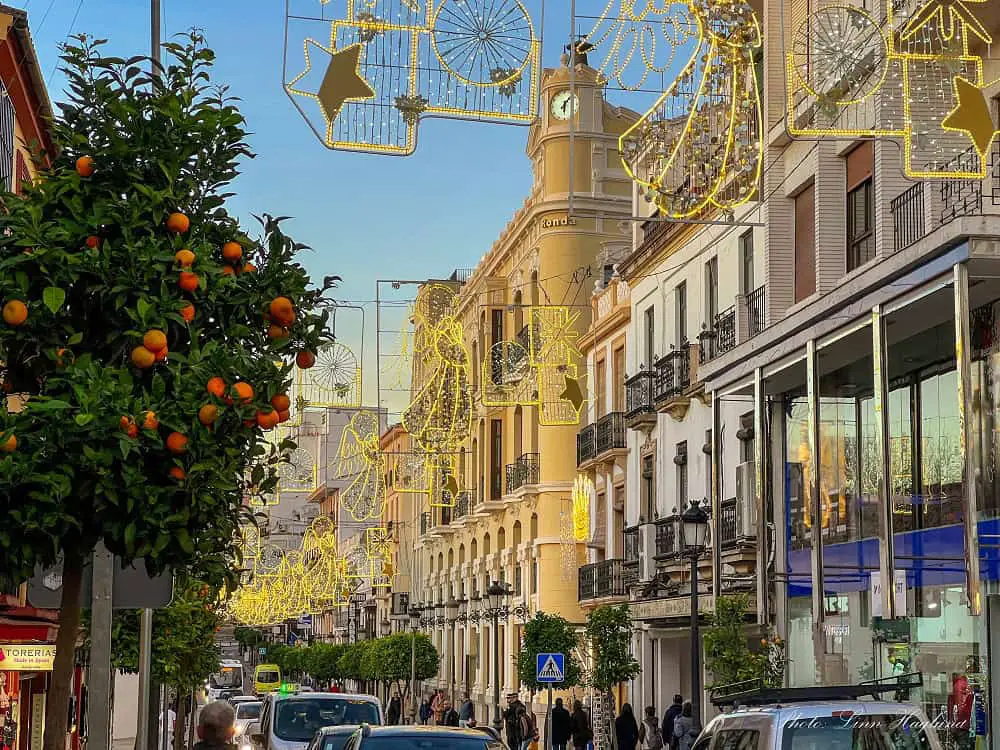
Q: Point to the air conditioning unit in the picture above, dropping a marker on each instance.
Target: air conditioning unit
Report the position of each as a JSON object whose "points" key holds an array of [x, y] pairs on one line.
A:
{"points": [[746, 502]]}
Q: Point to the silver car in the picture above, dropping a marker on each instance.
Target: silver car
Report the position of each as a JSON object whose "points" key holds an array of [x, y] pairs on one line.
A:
{"points": [[289, 721]]}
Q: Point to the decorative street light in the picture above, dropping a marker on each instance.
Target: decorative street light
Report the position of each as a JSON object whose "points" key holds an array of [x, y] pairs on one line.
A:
{"points": [[692, 531], [386, 627], [451, 612], [414, 615], [495, 609]]}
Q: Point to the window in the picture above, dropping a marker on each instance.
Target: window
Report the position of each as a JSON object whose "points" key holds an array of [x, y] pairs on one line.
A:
{"points": [[711, 290], [608, 272], [746, 263], [601, 383], [737, 739], [860, 206], [804, 269], [496, 336], [496, 458], [648, 487], [856, 732], [745, 436], [618, 373], [649, 332], [680, 314], [681, 460], [297, 719]]}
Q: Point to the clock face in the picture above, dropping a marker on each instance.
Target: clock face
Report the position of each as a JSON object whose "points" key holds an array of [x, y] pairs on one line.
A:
{"points": [[564, 105]]}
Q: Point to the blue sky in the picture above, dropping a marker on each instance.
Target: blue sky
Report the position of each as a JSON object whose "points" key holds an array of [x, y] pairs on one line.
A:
{"points": [[365, 216]]}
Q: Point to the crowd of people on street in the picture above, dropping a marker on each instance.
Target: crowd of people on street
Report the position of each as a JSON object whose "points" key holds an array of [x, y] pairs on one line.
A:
{"points": [[675, 732]]}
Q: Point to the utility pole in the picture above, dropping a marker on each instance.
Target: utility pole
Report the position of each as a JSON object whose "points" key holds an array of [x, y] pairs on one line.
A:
{"points": [[99, 681], [154, 35]]}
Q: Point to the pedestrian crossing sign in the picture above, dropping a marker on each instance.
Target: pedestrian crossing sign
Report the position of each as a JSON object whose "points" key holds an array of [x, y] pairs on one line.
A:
{"points": [[550, 668]]}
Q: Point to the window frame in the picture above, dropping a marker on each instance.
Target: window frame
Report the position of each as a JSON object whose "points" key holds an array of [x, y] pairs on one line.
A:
{"points": [[861, 246]]}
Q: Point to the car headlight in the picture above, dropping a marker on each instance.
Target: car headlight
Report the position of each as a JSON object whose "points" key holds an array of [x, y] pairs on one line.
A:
{"points": [[240, 728]]}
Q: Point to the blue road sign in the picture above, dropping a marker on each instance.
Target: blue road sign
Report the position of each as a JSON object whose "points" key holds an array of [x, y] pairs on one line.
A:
{"points": [[550, 668]]}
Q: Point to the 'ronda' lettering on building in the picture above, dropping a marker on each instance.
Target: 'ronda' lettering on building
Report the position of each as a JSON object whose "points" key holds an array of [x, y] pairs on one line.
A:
{"points": [[560, 222]]}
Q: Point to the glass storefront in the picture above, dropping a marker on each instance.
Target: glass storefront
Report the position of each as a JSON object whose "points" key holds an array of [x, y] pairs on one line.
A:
{"points": [[931, 630]]}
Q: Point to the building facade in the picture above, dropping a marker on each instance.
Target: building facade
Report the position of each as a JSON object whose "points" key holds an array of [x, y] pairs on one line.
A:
{"points": [[517, 468]]}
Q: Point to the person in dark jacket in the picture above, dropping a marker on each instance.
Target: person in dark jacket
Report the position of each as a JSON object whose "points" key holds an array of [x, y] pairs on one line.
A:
{"points": [[562, 726], [667, 728], [450, 718], [395, 710], [512, 722], [425, 710], [467, 713], [582, 731], [216, 726], [627, 728]]}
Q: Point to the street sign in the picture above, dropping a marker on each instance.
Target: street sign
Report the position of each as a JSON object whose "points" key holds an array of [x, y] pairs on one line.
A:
{"points": [[550, 668], [262, 650], [132, 587]]}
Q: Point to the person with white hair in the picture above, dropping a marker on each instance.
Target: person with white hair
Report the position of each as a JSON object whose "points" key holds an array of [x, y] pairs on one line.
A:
{"points": [[216, 726]]}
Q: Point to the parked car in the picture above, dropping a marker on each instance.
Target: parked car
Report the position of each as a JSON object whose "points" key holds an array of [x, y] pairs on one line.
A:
{"points": [[827, 717], [246, 712], [289, 721], [332, 738], [420, 737]]}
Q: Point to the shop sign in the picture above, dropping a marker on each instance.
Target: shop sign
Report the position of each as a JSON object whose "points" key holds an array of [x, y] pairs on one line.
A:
{"points": [[558, 221], [37, 720], [675, 606], [27, 657]]}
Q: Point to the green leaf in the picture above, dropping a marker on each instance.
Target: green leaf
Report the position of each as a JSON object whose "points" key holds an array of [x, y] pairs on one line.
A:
{"points": [[51, 404], [54, 298], [143, 307], [184, 539], [130, 537], [75, 339], [83, 419]]}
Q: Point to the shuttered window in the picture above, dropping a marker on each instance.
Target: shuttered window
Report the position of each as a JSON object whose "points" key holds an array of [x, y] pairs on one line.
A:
{"points": [[805, 243], [7, 148], [860, 205]]}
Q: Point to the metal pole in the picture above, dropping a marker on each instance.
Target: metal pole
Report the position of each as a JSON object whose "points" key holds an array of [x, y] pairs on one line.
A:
{"points": [[99, 679], [548, 721], [164, 719], [695, 649], [145, 660], [413, 676], [497, 721], [154, 35]]}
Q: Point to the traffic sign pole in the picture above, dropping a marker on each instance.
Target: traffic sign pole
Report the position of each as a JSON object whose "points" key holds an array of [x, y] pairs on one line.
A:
{"points": [[99, 679], [548, 722]]}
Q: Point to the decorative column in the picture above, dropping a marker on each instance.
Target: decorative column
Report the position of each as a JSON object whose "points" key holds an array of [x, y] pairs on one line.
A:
{"points": [[886, 553], [813, 480]]}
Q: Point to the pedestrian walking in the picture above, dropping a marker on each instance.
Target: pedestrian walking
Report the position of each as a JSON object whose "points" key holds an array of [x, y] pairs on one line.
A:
{"points": [[562, 726], [438, 706], [216, 726], [450, 718], [583, 733], [528, 727], [467, 713], [425, 710], [512, 723], [395, 710], [626, 728], [684, 729], [669, 716], [650, 736]]}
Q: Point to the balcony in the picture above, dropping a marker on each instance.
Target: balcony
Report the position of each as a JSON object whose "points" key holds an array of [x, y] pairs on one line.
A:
{"points": [[586, 444], [755, 311], [461, 275], [725, 331], [727, 523], [667, 543], [425, 522], [907, 211], [640, 408], [673, 379], [602, 580], [522, 472], [610, 433], [631, 563], [461, 509], [611, 305]]}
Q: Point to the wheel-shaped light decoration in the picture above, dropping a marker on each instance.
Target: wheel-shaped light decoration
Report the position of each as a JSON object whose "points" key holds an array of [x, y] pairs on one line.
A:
{"points": [[299, 472], [335, 379], [483, 42], [840, 54]]}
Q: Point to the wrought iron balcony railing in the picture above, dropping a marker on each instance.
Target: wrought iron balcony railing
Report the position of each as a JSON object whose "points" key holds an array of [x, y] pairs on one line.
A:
{"points": [[639, 395], [725, 331], [610, 432], [672, 375], [755, 311], [667, 544], [602, 579], [522, 472], [728, 531], [586, 444]]}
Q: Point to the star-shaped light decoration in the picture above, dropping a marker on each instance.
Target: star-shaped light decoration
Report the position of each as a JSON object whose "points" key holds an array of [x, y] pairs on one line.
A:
{"points": [[342, 81], [451, 485], [972, 115], [573, 393]]}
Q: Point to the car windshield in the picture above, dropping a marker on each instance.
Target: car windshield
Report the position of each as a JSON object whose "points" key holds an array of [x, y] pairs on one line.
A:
{"points": [[267, 677], [432, 742], [854, 731], [335, 741], [248, 711], [297, 719]]}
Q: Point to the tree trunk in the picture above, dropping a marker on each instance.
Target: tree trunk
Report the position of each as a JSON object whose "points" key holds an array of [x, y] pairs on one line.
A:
{"points": [[179, 726], [61, 685]]}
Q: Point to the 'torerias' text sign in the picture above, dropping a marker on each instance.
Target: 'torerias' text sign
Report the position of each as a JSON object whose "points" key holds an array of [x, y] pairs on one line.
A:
{"points": [[27, 657]]}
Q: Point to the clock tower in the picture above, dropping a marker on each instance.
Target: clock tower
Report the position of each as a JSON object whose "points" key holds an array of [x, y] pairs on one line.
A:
{"points": [[572, 100]]}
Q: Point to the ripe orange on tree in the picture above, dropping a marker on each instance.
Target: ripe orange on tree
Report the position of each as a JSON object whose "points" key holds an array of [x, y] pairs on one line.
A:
{"points": [[274, 331], [187, 281], [15, 312], [305, 359], [282, 311], [9, 445], [207, 414], [228, 271], [185, 258], [176, 472], [129, 426], [284, 415], [244, 391], [232, 251], [161, 355], [249, 268], [143, 358], [216, 386], [267, 419], [281, 402], [177, 443], [178, 223], [85, 166], [150, 421], [155, 340], [60, 353], [187, 312], [93, 242]]}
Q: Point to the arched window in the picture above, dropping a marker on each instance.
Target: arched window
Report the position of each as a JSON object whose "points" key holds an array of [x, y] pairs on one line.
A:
{"points": [[517, 535], [473, 549], [486, 543], [501, 538], [440, 562], [518, 312], [461, 553], [534, 526], [534, 288], [518, 431], [451, 558]]}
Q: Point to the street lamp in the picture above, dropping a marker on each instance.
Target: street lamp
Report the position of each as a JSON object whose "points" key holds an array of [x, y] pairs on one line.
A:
{"points": [[414, 615], [451, 612], [496, 600], [692, 531]]}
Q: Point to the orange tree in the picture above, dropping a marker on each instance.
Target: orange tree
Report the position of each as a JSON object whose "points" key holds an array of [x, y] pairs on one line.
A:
{"points": [[131, 301]]}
